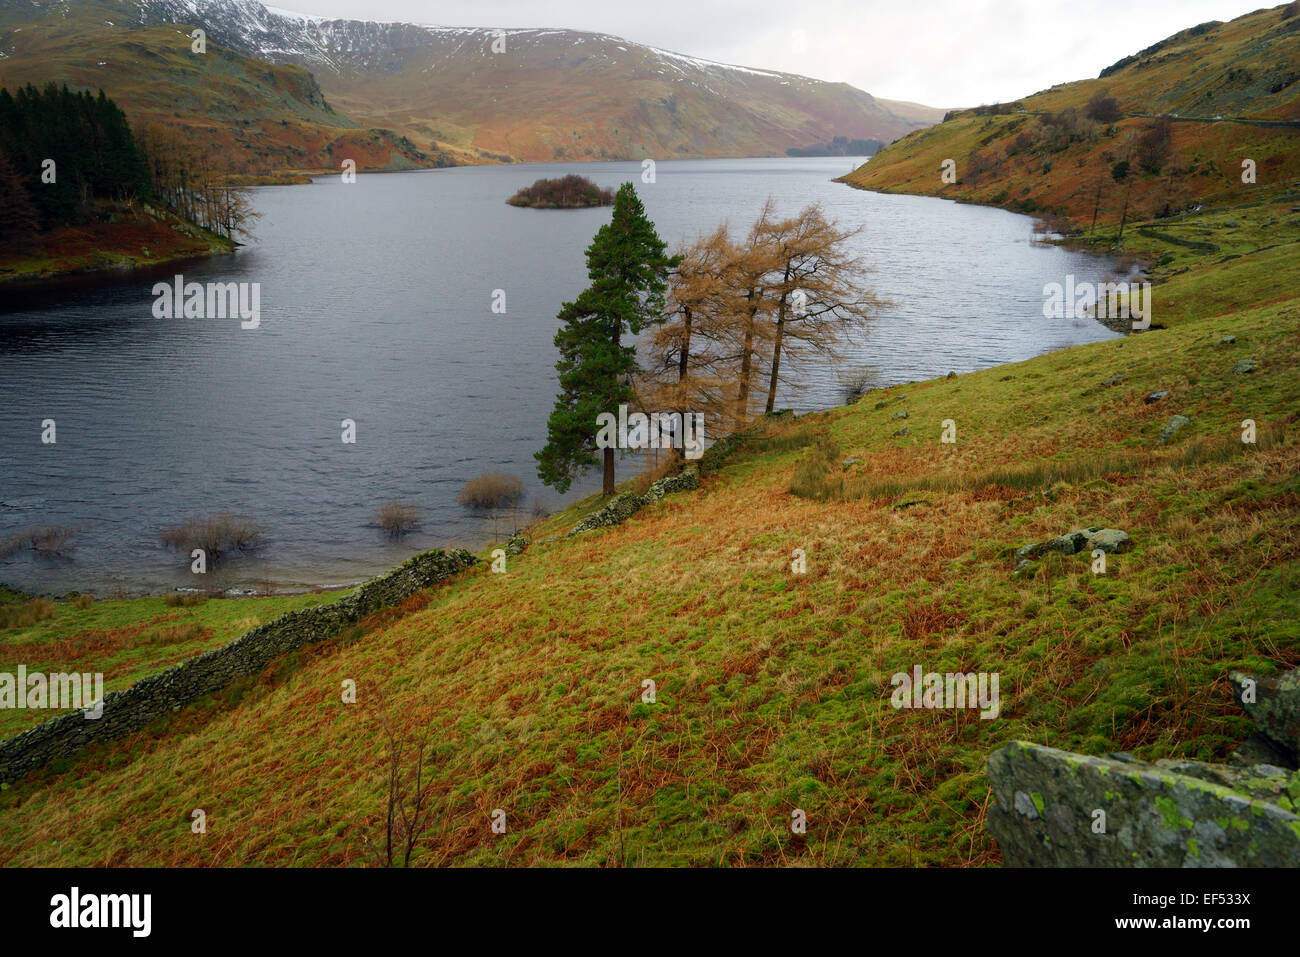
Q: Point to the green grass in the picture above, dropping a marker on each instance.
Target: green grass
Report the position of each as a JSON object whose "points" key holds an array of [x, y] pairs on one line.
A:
{"points": [[773, 688], [125, 639]]}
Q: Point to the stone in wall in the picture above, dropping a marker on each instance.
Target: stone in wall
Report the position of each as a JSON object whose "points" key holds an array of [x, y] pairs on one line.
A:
{"points": [[686, 480], [614, 512]]}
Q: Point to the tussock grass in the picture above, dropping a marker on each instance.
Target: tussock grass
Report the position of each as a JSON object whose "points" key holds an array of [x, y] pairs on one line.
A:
{"points": [[39, 539], [820, 476], [491, 490], [397, 518], [26, 614], [217, 535], [772, 688]]}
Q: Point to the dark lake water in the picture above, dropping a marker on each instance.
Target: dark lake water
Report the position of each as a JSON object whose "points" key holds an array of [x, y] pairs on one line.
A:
{"points": [[376, 305]]}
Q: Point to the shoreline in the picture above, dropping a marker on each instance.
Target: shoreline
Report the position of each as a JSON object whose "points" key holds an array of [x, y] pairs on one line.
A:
{"points": [[293, 584], [151, 239]]}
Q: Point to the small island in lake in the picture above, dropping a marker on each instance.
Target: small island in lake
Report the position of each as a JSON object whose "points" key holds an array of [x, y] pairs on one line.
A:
{"points": [[567, 192]]}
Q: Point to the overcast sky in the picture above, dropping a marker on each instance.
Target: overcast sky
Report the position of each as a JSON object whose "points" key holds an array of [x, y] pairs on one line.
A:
{"points": [[937, 52]]}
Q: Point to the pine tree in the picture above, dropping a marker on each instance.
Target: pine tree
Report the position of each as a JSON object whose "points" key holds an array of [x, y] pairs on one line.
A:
{"points": [[628, 268], [87, 137], [19, 222]]}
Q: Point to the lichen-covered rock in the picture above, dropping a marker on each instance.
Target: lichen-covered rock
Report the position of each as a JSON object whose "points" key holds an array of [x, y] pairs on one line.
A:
{"points": [[903, 433], [614, 512], [1274, 705], [1069, 543], [1244, 367], [1108, 540], [516, 545], [688, 479], [899, 415], [1265, 781], [1056, 809], [1026, 552], [1175, 425], [1075, 541], [1156, 397]]}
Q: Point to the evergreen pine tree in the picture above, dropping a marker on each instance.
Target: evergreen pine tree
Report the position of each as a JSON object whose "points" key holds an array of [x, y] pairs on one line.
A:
{"points": [[19, 222], [628, 269]]}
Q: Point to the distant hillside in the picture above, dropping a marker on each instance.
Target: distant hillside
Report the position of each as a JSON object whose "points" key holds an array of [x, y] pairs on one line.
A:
{"points": [[1230, 93], [550, 95], [260, 116]]}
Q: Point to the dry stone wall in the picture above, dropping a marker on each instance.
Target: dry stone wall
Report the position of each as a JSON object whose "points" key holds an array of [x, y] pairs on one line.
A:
{"points": [[153, 697]]}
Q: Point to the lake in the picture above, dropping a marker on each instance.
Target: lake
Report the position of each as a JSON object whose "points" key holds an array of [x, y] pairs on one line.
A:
{"points": [[376, 306]]}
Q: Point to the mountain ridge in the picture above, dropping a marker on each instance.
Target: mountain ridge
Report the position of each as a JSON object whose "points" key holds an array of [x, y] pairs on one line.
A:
{"points": [[1187, 112], [549, 94]]}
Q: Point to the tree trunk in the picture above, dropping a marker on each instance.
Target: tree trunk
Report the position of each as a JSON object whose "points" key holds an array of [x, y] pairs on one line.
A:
{"points": [[686, 346], [776, 347], [746, 361], [608, 488], [678, 455], [776, 361]]}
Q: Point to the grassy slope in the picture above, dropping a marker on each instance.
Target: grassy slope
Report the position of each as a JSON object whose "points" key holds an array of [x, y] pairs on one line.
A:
{"points": [[1228, 71], [127, 639], [773, 689]]}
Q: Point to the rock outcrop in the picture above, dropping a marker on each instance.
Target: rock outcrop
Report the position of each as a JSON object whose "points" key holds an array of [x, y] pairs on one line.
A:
{"points": [[1175, 425], [1072, 542], [1057, 809]]}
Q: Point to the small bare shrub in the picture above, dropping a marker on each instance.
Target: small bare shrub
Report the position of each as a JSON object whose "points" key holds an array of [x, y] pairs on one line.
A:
{"points": [[216, 534], [41, 539], [858, 381], [397, 518], [491, 490], [26, 614], [412, 792]]}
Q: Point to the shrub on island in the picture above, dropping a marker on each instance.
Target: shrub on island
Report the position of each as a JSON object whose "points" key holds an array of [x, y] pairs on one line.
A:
{"points": [[567, 192]]}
